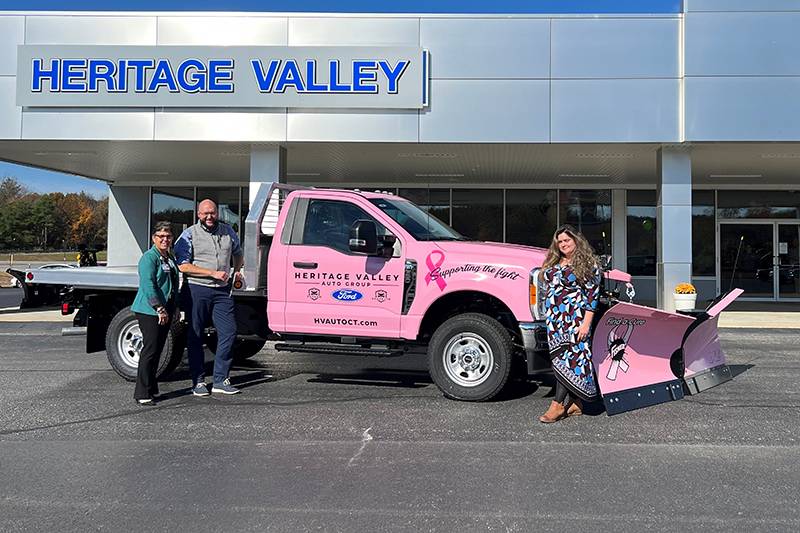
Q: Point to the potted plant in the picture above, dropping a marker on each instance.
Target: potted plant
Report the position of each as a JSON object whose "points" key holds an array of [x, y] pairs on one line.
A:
{"points": [[685, 297]]}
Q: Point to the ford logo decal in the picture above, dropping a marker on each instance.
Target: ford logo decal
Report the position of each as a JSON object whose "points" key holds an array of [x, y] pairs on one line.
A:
{"points": [[346, 295]]}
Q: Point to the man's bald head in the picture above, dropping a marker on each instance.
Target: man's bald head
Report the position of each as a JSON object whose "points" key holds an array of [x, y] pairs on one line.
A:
{"points": [[207, 213]]}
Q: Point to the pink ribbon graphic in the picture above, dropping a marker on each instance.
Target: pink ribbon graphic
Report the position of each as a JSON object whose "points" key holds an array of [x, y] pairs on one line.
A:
{"points": [[433, 270]]}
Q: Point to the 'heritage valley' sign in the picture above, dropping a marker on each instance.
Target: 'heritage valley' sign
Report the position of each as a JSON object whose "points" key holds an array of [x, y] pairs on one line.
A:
{"points": [[200, 76]]}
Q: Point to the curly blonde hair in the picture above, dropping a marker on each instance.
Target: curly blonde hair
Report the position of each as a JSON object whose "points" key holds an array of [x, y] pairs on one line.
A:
{"points": [[584, 259]]}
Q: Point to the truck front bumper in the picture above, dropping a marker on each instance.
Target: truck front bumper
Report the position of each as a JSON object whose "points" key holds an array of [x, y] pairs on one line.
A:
{"points": [[534, 340]]}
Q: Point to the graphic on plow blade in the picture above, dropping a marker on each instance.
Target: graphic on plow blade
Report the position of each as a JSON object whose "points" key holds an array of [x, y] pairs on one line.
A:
{"points": [[643, 356]]}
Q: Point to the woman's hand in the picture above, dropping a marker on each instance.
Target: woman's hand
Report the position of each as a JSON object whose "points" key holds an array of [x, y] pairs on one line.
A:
{"points": [[163, 316], [583, 330]]}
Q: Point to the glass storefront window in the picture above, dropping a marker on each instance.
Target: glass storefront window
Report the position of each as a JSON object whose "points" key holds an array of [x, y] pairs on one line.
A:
{"points": [[478, 213], [641, 236], [759, 204], [590, 212], [531, 216], [174, 205], [703, 234], [434, 201]]}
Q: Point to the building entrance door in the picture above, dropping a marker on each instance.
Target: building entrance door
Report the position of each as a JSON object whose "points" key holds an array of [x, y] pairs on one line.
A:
{"points": [[788, 261], [763, 258]]}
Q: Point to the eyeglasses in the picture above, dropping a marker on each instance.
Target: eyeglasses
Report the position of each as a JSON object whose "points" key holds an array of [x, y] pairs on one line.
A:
{"points": [[163, 237]]}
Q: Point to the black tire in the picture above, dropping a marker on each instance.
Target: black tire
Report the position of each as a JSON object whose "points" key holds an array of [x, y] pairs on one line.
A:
{"points": [[123, 343], [247, 348], [469, 357], [242, 348]]}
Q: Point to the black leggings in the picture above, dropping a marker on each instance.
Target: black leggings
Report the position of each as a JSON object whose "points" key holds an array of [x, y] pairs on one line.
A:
{"points": [[562, 395]]}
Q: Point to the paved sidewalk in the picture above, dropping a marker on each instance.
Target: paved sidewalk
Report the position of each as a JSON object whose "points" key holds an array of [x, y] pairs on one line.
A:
{"points": [[728, 319], [35, 316]]}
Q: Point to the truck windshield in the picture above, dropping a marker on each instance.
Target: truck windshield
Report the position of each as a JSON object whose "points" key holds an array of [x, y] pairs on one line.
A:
{"points": [[421, 225]]}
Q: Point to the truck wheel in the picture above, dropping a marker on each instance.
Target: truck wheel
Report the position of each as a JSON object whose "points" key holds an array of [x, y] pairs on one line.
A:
{"points": [[242, 348], [469, 357], [245, 349], [124, 343]]}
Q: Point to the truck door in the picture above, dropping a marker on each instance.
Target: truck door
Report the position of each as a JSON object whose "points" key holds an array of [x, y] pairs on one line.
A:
{"points": [[331, 290]]}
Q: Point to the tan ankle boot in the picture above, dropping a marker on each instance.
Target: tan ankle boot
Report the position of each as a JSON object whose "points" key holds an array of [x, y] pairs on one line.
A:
{"points": [[576, 409], [554, 413]]}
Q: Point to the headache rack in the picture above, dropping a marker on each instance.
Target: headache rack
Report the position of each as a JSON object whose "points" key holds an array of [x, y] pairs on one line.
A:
{"points": [[259, 229]]}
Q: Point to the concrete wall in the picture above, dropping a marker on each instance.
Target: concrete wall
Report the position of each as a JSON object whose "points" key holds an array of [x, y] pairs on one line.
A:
{"points": [[742, 70], [521, 79]]}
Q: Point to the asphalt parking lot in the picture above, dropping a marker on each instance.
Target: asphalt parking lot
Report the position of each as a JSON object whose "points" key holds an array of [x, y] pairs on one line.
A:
{"points": [[331, 443]]}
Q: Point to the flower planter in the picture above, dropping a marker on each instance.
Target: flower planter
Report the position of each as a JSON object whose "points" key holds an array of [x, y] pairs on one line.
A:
{"points": [[685, 302]]}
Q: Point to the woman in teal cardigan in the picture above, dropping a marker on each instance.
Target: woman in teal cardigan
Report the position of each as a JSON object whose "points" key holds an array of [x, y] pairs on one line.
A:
{"points": [[154, 306]]}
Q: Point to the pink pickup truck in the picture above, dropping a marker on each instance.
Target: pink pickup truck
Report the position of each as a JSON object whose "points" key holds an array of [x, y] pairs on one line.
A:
{"points": [[349, 272], [373, 273]]}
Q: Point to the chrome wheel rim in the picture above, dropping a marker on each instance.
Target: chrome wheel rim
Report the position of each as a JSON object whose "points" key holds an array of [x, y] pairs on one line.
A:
{"points": [[129, 344], [468, 359]]}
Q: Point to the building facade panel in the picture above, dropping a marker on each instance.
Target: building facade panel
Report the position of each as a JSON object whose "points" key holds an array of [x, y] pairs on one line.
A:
{"points": [[10, 114], [99, 124], [236, 125], [742, 44], [487, 111], [631, 110], [742, 109], [741, 5], [352, 126], [95, 30], [487, 48], [353, 31], [12, 33], [615, 48], [223, 31]]}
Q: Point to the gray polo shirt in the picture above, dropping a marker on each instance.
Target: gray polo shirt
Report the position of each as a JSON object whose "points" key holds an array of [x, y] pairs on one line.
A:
{"points": [[211, 250]]}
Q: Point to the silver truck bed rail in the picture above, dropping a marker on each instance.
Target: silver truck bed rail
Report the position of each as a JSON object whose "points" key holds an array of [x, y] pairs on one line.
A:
{"points": [[98, 277], [259, 229]]}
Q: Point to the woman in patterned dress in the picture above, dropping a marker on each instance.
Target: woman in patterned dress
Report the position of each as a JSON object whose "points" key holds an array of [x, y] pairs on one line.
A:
{"points": [[573, 284]]}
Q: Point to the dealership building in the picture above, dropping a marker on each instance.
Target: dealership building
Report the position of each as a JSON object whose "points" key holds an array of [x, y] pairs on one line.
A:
{"points": [[667, 131]]}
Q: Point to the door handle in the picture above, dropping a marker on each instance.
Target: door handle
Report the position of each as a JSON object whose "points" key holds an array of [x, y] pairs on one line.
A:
{"points": [[301, 264]]}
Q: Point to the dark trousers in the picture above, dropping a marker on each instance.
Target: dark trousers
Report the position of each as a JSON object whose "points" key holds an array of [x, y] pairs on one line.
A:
{"points": [[562, 395], [153, 338], [201, 304]]}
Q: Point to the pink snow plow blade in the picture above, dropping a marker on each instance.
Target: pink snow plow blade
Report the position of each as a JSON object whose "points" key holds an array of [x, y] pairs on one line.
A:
{"points": [[644, 356]]}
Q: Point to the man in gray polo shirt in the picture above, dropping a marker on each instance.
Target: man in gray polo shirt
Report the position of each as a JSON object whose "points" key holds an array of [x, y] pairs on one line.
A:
{"points": [[204, 252]]}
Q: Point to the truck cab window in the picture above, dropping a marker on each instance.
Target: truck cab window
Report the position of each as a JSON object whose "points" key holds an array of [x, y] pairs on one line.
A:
{"points": [[328, 224]]}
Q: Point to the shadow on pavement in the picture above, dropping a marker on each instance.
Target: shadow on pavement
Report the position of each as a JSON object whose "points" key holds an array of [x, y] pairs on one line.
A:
{"points": [[374, 377], [739, 369]]}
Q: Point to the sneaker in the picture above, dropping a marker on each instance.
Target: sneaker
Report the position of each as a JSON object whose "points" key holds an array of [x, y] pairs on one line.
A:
{"points": [[200, 390], [225, 387], [145, 401]]}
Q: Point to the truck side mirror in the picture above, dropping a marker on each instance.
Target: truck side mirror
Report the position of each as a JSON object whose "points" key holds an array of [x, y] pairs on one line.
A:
{"points": [[364, 237]]}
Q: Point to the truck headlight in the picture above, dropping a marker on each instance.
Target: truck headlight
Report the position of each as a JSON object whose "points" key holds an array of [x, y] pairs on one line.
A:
{"points": [[536, 293]]}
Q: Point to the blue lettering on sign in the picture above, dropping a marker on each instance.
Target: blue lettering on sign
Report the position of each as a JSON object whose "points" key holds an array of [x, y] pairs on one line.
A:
{"points": [[214, 76], [347, 295]]}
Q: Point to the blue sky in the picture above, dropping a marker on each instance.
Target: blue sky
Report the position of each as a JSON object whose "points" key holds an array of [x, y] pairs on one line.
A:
{"points": [[44, 181], [356, 6]]}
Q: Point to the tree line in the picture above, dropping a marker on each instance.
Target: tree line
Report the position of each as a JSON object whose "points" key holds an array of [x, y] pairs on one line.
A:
{"points": [[54, 221]]}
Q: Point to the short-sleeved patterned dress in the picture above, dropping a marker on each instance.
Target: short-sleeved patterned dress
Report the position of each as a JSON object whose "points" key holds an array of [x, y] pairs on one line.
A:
{"points": [[566, 304]]}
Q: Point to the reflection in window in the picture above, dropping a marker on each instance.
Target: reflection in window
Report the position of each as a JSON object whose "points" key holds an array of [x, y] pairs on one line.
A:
{"points": [[641, 238], [227, 200], [531, 216], [759, 204], [434, 201], [478, 213], [174, 205], [328, 223], [703, 234], [590, 212]]}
